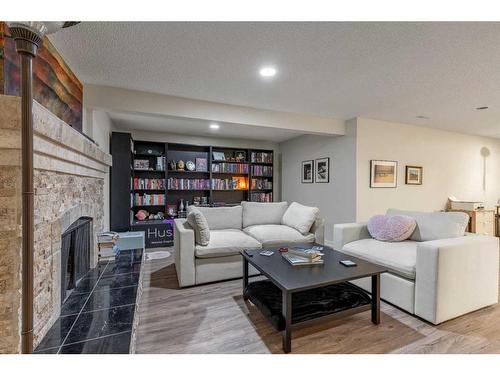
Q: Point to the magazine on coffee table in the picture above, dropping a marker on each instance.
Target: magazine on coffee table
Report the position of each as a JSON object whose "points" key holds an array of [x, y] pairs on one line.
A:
{"points": [[306, 252], [297, 260]]}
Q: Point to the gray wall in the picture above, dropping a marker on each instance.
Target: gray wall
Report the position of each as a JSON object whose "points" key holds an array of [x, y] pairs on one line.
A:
{"points": [[336, 199]]}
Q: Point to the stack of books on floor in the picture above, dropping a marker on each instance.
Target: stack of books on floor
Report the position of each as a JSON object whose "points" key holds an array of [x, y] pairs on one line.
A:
{"points": [[300, 256], [107, 244]]}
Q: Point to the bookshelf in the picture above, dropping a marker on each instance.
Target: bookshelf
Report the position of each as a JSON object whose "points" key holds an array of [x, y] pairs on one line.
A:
{"points": [[158, 176]]}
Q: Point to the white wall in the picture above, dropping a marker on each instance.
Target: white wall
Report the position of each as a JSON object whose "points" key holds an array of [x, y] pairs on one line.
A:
{"points": [[213, 141], [336, 199], [452, 164], [131, 101], [101, 128]]}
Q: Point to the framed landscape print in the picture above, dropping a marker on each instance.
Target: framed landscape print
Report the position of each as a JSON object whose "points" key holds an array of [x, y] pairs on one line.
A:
{"points": [[322, 170], [414, 175], [383, 174], [307, 171]]}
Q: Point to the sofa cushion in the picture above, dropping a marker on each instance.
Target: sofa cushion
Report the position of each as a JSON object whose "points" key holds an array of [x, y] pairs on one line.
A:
{"points": [[391, 228], [221, 217], [300, 217], [400, 258], [226, 242], [200, 226], [271, 235], [255, 213], [435, 225]]}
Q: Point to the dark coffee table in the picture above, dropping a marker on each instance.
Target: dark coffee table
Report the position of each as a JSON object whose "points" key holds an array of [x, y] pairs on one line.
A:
{"points": [[296, 280]]}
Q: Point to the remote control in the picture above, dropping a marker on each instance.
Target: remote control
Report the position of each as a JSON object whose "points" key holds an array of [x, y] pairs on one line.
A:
{"points": [[348, 263]]}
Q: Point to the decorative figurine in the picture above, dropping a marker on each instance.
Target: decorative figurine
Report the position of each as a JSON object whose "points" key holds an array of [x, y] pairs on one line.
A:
{"points": [[180, 165], [190, 166], [172, 164]]}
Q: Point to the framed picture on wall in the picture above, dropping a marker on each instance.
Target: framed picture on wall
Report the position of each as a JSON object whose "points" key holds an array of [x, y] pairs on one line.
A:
{"points": [[322, 170], [383, 173], [307, 171], [414, 175]]}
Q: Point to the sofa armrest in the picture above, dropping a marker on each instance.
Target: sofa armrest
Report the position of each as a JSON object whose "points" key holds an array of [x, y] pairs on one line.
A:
{"points": [[455, 276], [184, 252], [345, 233], [318, 229]]}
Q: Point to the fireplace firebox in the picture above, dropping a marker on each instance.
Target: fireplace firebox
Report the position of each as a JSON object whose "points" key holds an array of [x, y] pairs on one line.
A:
{"points": [[76, 243]]}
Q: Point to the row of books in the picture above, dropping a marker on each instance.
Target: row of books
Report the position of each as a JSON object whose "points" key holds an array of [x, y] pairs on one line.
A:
{"points": [[230, 168], [148, 199], [188, 184], [148, 183], [229, 184], [262, 157], [150, 165], [261, 184], [261, 197], [264, 171]]}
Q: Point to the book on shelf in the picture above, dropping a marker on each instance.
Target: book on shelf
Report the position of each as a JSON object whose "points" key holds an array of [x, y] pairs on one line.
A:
{"points": [[188, 184], [149, 199], [230, 168], [262, 171], [261, 197], [148, 183], [262, 157], [296, 260], [261, 184], [235, 183]]}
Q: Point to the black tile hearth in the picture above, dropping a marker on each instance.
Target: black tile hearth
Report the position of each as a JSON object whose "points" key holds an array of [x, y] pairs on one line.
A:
{"points": [[101, 323], [86, 285], [118, 281], [116, 344], [98, 316], [105, 299], [74, 304], [57, 333]]}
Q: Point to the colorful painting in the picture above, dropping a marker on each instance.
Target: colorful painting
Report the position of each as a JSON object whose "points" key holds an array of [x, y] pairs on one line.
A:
{"points": [[54, 84]]}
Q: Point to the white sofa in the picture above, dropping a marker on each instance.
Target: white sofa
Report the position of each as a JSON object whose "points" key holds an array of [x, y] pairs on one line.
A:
{"points": [[431, 276], [232, 229]]}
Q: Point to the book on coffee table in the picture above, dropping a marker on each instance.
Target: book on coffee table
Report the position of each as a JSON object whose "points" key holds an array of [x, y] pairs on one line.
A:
{"points": [[309, 253], [297, 260]]}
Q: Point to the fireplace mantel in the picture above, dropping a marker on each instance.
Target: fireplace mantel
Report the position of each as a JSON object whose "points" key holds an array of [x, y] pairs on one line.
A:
{"points": [[69, 177]]}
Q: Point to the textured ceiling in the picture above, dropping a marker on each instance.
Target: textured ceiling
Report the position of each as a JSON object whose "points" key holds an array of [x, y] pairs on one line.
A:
{"points": [[128, 121], [387, 71]]}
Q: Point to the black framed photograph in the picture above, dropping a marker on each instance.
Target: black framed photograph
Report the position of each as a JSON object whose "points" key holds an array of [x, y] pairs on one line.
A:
{"points": [[414, 175], [322, 170], [307, 171], [383, 173]]}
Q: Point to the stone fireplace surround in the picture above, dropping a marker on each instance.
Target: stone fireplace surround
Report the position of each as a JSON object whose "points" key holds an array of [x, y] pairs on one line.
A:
{"points": [[68, 178]]}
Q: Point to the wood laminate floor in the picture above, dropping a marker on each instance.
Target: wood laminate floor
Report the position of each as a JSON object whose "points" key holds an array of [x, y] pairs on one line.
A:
{"points": [[214, 319]]}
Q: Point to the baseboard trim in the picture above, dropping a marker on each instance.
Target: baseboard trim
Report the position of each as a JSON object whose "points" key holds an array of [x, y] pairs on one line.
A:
{"points": [[329, 243]]}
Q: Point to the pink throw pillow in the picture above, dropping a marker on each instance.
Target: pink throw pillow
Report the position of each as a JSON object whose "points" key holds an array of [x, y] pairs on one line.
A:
{"points": [[391, 228]]}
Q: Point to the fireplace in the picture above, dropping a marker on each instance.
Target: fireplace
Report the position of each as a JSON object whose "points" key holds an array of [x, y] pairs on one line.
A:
{"points": [[76, 244]]}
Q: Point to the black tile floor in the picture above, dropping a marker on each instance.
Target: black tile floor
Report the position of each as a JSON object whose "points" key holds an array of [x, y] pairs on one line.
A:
{"points": [[97, 317]]}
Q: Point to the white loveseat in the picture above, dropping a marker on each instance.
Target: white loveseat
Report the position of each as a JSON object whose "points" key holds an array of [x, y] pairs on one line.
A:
{"points": [[432, 276], [232, 229]]}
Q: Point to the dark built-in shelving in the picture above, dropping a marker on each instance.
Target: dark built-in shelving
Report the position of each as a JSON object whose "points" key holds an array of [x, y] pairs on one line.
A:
{"points": [[126, 151]]}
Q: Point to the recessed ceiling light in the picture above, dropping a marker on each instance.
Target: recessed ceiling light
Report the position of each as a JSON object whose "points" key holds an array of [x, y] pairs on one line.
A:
{"points": [[214, 126], [481, 108], [267, 71], [422, 117]]}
